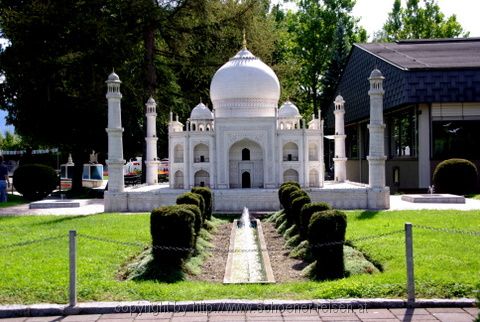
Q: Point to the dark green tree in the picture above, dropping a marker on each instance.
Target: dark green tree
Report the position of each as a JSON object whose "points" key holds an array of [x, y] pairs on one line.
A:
{"points": [[419, 20], [168, 49], [323, 32]]}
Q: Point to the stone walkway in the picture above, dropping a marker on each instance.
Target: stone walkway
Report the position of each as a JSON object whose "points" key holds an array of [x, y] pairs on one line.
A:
{"points": [[96, 206], [364, 315]]}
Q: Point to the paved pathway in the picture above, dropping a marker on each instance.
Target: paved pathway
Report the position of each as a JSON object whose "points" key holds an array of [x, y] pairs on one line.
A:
{"points": [[96, 206], [365, 315]]}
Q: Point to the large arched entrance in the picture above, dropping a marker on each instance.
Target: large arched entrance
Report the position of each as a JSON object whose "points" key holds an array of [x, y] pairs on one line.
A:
{"points": [[246, 180], [246, 158]]}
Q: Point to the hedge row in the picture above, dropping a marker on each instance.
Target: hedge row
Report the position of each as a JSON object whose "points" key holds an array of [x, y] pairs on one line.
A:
{"points": [[318, 224], [175, 228]]}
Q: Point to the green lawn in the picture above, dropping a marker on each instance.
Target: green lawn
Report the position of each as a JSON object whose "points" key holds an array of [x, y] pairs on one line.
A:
{"points": [[447, 265]]}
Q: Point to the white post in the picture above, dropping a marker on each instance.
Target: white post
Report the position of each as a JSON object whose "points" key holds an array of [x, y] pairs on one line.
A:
{"points": [[340, 159], [114, 130], [72, 295], [151, 161], [409, 259], [378, 194]]}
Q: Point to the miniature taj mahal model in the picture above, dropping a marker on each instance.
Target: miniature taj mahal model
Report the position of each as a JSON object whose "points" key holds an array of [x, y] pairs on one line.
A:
{"points": [[246, 147]]}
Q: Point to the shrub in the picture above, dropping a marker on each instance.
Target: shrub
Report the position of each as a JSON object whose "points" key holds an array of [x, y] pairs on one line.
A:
{"points": [[206, 193], [172, 226], [457, 176], [286, 184], [306, 213], [326, 227], [190, 198], [35, 181], [296, 208], [285, 193], [198, 216]]}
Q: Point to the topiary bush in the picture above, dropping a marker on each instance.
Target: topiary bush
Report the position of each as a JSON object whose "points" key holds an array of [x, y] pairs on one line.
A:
{"points": [[306, 213], [206, 193], [172, 226], [286, 184], [284, 194], [296, 208], [198, 217], [326, 227], [456, 176], [190, 198], [35, 181]]}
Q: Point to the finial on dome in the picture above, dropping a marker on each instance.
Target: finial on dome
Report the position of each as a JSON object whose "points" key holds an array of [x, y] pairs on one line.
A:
{"points": [[244, 42]]}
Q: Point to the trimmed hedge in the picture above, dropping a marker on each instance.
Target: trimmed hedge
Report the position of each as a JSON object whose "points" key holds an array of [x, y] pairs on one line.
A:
{"points": [[286, 184], [456, 176], [206, 193], [284, 194], [172, 226], [296, 208], [198, 217], [306, 213], [35, 181], [326, 227], [190, 198]]}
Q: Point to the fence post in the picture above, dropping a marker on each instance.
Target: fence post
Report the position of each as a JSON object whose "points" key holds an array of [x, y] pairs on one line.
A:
{"points": [[72, 295], [409, 257]]}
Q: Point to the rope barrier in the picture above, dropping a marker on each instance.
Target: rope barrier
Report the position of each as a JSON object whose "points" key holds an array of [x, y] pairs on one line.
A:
{"points": [[449, 230], [30, 242]]}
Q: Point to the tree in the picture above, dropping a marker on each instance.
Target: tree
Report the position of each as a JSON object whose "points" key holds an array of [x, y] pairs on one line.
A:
{"points": [[165, 48], [419, 21], [323, 32]]}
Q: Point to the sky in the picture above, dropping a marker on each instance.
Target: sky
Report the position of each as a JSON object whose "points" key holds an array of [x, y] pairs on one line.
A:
{"points": [[373, 14]]}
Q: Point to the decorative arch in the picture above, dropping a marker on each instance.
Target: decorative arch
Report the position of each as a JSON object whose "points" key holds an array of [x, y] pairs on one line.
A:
{"points": [[290, 175], [312, 152], [246, 155], [290, 152], [178, 154], [202, 178], [314, 178], [178, 182], [200, 153]]}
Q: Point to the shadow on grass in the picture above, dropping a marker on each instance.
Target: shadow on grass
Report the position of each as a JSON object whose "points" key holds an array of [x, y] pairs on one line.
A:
{"points": [[60, 220], [144, 268], [367, 214]]}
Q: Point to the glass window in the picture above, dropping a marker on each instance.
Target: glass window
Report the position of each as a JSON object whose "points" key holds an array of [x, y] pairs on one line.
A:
{"points": [[456, 139], [351, 142], [402, 133]]}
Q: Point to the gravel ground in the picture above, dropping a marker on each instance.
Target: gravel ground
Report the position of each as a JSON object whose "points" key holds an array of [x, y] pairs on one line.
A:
{"points": [[285, 269]]}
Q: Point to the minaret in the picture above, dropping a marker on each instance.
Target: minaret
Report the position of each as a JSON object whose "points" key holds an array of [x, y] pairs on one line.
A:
{"points": [[376, 156], [340, 159], [114, 130], [151, 161]]}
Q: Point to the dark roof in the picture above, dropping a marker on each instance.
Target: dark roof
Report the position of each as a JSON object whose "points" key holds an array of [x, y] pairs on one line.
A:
{"points": [[444, 83], [428, 54]]}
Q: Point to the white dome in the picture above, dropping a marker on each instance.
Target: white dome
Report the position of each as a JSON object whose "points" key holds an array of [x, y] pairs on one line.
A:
{"points": [[376, 73], [288, 109], [113, 78], [245, 83], [201, 112]]}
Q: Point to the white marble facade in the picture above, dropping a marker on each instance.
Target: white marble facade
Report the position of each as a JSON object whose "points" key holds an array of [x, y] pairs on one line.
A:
{"points": [[247, 141]]}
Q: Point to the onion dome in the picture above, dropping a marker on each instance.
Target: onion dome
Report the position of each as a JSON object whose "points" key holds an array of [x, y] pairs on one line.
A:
{"points": [[376, 74], [288, 110], [113, 78], [201, 112], [245, 87]]}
